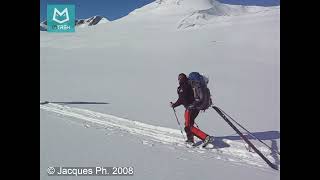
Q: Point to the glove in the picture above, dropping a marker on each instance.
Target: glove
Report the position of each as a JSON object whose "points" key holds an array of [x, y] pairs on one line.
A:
{"points": [[172, 105]]}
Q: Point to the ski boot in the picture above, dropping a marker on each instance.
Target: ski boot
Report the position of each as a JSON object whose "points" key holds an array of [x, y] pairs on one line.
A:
{"points": [[190, 141], [207, 141]]}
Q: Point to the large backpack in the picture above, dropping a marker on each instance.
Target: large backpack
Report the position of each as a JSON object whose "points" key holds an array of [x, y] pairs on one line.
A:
{"points": [[201, 92]]}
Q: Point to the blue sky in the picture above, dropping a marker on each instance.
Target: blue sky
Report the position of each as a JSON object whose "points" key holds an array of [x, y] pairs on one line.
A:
{"points": [[111, 9]]}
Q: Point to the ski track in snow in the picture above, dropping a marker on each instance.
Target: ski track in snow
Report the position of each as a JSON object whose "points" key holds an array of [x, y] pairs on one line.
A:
{"points": [[236, 153]]}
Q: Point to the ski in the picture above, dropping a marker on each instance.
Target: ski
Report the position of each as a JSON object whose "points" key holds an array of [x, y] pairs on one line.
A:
{"points": [[201, 145], [245, 139]]}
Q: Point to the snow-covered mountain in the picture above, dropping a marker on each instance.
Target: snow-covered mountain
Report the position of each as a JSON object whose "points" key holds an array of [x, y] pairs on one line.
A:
{"points": [[91, 21], [132, 66], [94, 20], [43, 26], [191, 13]]}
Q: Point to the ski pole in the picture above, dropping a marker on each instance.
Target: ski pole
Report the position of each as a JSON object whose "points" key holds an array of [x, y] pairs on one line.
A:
{"points": [[274, 166], [178, 121], [249, 132], [196, 125]]}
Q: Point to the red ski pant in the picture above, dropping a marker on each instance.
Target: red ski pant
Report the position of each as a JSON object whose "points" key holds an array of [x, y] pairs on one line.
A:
{"points": [[190, 116]]}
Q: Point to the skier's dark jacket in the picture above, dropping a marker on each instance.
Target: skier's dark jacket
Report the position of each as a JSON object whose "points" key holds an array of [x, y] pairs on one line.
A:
{"points": [[185, 93]]}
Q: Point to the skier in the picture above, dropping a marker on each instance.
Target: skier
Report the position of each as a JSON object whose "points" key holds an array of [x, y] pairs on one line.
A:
{"points": [[187, 99]]}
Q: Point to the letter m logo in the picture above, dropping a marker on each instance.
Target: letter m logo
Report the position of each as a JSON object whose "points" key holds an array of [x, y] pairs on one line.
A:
{"points": [[61, 18], [57, 13]]}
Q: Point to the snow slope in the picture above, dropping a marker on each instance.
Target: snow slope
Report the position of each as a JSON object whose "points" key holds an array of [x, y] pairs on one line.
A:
{"points": [[232, 151], [132, 64]]}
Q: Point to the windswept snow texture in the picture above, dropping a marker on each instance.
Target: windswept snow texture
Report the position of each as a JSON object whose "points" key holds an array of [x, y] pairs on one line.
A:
{"points": [[266, 3], [131, 66], [232, 151], [195, 13]]}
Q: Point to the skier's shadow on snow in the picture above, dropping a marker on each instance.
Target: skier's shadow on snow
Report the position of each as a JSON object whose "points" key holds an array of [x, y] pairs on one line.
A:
{"points": [[80, 102], [267, 135], [72, 102], [219, 143]]}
